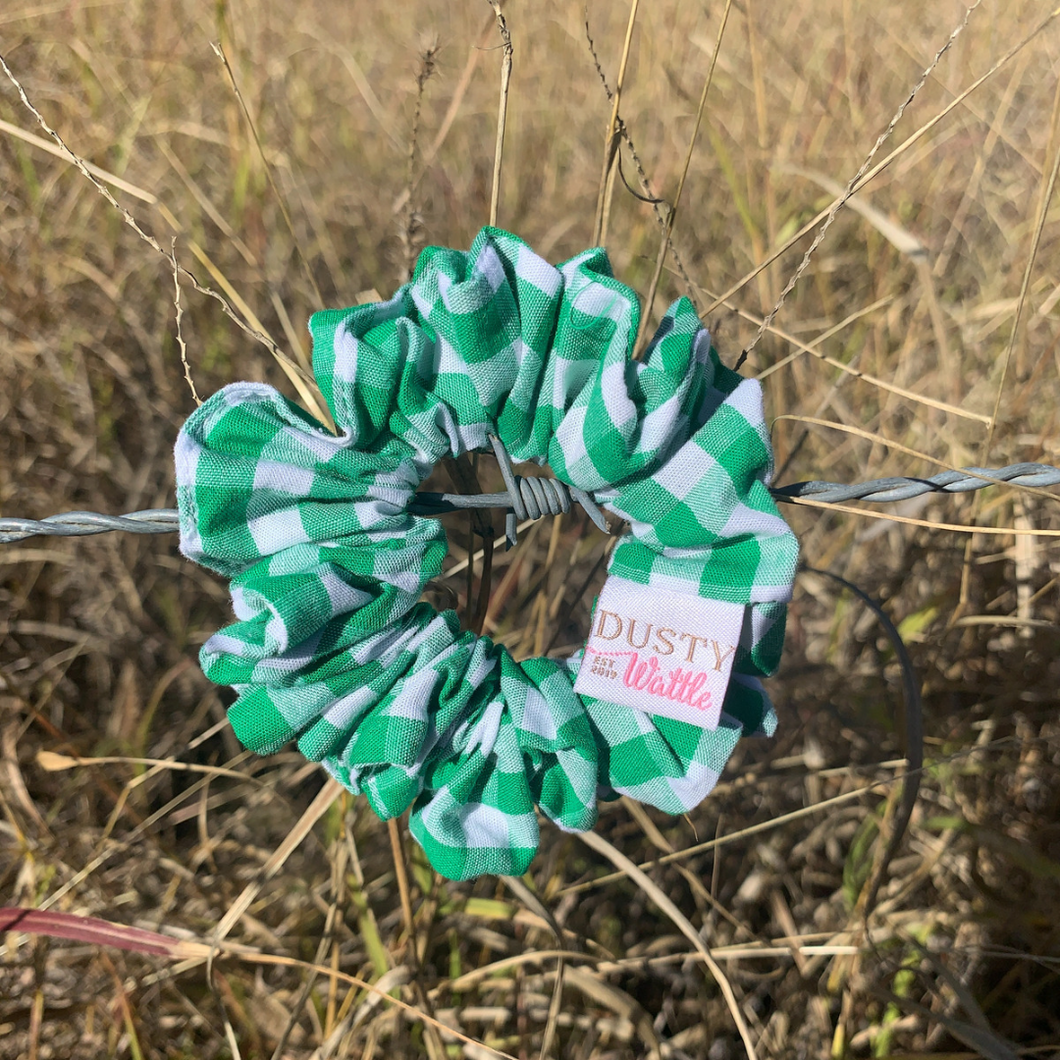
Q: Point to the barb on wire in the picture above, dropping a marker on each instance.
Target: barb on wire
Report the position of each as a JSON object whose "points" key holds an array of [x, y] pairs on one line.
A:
{"points": [[534, 498]]}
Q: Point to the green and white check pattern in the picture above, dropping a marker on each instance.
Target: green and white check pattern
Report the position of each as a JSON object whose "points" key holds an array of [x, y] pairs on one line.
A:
{"points": [[330, 646]]}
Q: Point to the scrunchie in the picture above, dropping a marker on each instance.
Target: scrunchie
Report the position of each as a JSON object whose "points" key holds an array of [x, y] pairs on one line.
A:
{"points": [[331, 646]]}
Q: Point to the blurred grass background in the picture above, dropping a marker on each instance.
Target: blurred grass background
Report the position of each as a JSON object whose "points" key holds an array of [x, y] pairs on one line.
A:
{"points": [[919, 288]]}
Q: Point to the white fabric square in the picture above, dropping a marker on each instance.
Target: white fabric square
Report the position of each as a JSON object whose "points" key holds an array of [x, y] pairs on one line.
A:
{"points": [[284, 478], [680, 475], [276, 530]]}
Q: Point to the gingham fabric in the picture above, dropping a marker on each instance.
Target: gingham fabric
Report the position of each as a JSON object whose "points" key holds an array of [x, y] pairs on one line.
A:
{"points": [[331, 647]]}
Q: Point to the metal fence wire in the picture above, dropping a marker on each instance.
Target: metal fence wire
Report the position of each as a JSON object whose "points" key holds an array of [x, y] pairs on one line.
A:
{"points": [[532, 498]]}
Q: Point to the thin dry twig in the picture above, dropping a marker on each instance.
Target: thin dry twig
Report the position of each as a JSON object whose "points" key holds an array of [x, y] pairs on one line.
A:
{"points": [[219, 988], [413, 223], [42, 145], [412, 954], [338, 854], [372, 988], [316, 809], [857, 373], [667, 241], [451, 112], [774, 822], [886, 161], [824, 336], [855, 181], [502, 107], [649, 195], [461, 565], [53, 762], [397, 851], [548, 1037], [681, 922], [298, 377], [204, 202], [956, 528], [219, 51], [988, 441], [193, 953], [603, 203], [179, 314]]}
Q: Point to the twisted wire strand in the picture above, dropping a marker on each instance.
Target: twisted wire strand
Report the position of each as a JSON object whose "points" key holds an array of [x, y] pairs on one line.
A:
{"points": [[86, 524], [533, 498], [889, 490]]}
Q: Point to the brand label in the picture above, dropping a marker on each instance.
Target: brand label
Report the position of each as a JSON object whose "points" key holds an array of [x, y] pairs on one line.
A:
{"points": [[660, 652]]}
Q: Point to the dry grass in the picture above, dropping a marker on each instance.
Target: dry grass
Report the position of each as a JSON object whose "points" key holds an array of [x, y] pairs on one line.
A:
{"points": [[918, 289]]}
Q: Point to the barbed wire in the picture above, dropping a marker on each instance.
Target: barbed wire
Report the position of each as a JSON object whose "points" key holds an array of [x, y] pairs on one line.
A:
{"points": [[890, 490], [86, 524], [534, 498]]}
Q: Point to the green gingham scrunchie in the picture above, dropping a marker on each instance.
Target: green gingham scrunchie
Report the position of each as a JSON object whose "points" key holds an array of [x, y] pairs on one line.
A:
{"points": [[331, 647]]}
